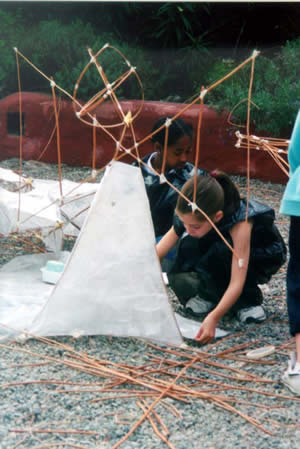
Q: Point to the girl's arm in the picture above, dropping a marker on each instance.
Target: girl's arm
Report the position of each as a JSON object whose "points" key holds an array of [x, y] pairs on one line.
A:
{"points": [[166, 243], [241, 236]]}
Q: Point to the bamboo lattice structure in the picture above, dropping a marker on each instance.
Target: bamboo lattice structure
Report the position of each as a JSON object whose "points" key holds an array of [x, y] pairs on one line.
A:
{"points": [[86, 113]]}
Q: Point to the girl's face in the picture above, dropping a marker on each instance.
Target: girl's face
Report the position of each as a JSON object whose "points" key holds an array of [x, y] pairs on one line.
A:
{"points": [[178, 153], [196, 228]]}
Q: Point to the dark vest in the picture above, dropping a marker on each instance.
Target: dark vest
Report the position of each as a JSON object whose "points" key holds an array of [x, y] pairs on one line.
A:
{"points": [[267, 248]]}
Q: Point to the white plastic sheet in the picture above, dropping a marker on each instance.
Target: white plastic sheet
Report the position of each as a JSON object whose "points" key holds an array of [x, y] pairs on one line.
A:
{"points": [[22, 292], [43, 207], [10, 176], [112, 283], [190, 328], [23, 295]]}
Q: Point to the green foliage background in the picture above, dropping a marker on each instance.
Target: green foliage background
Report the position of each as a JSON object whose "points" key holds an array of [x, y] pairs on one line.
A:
{"points": [[275, 91], [174, 69]]}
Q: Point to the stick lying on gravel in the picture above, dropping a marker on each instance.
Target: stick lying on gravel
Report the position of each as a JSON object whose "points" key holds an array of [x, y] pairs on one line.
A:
{"points": [[182, 387]]}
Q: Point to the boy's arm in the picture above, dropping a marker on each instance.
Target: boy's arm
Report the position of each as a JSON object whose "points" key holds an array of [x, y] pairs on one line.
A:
{"points": [[166, 243], [241, 235]]}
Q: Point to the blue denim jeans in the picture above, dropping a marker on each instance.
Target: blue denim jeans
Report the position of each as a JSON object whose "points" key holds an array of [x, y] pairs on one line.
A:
{"points": [[293, 276]]}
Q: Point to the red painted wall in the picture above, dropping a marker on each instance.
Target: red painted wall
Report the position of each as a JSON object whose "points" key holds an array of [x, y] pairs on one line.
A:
{"points": [[217, 141]]}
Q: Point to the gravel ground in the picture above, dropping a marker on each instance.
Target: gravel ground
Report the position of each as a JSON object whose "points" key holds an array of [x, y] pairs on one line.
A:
{"points": [[46, 403]]}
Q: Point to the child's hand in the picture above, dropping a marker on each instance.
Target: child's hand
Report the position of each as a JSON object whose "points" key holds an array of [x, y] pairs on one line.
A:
{"points": [[207, 330]]}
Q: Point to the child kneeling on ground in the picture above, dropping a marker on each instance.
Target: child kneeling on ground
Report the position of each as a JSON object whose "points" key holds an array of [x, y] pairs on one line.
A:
{"points": [[207, 277]]}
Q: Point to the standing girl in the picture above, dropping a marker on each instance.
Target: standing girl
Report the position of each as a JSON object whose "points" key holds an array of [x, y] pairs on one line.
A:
{"points": [[207, 277], [290, 205]]}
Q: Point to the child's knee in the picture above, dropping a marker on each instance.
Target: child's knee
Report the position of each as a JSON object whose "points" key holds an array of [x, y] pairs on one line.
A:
{"points": [[184, 285]]}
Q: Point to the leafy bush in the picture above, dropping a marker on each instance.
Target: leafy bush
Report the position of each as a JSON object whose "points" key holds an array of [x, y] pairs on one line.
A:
{"points": [[60, 51], [275, 92], [178, 25], [114, 66], [8, 62]]}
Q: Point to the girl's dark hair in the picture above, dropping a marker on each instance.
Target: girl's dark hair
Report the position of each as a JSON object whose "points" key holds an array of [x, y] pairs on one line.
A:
{"points": [[215, 191], [177, 129]]}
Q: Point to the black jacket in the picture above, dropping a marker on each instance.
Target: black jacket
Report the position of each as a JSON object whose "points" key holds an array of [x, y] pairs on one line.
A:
{"points": [[162, 198], [267, 248]]}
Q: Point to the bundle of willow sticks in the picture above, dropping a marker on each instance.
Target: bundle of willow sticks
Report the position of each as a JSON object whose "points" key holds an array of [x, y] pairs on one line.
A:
{"points": [[180, 374]]}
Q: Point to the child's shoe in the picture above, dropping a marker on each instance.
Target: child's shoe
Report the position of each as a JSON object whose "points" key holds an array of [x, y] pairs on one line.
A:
{"points": [[291, 377], [254, 314], [198, 306]]}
